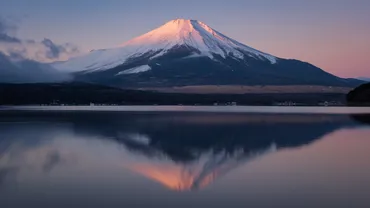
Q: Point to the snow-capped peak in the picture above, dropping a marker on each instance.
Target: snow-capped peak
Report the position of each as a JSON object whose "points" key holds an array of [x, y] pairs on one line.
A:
{"points": [[196, 34], [180, 32]]}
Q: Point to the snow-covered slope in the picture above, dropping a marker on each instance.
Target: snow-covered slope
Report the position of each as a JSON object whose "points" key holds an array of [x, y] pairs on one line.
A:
{"points": [[191, 34], [190, 53]]}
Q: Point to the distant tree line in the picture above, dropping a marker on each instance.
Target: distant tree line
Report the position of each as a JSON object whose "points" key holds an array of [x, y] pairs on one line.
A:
{"points": [[86, 94]]}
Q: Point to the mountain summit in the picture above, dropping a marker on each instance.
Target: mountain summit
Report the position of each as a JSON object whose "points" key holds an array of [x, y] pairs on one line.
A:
{"points": [[194, 35], [191, 34], [189, 52]]}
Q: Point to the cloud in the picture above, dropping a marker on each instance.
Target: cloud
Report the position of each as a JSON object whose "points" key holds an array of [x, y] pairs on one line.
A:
{"points": [[28, 71], [5, 27], [25, 61], [52, 160], [55, 51], [42, 51], [6, 38]]}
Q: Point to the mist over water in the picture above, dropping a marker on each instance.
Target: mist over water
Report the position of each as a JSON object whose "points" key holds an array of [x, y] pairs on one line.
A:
{"points": [[178, 159]]}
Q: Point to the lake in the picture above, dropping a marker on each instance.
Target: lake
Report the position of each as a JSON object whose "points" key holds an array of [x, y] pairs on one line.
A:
{"points": [[184, 157]]}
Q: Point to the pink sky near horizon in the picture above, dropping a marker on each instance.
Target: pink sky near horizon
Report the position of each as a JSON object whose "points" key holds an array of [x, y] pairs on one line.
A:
{"points": [[338, 48], [344, 59]]}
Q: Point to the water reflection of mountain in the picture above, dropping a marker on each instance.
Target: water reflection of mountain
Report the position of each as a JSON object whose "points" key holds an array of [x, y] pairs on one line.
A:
{"points": [[184, 151]]}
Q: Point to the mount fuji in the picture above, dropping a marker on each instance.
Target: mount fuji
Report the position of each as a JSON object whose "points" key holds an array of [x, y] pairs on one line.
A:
{"points": [[190, 53]]}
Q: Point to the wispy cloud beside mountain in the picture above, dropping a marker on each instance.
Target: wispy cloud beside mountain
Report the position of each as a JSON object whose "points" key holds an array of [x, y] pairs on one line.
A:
{"points": [[26, 61], [44, 51]]}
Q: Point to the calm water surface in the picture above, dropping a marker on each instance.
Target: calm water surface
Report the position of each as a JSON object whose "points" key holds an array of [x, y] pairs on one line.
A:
{"points": [[178, 159]]}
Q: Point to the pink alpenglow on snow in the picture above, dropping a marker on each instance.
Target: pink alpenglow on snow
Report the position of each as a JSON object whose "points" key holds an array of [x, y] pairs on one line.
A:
{"points": [[180, 32]]}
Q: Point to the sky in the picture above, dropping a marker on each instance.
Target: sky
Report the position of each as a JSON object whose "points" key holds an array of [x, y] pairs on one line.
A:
{"points": [[331, 34]]}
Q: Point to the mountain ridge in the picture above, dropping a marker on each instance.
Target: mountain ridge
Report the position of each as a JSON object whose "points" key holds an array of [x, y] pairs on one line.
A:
{"points": [[192, 34], [367, 79], [190, 53]]}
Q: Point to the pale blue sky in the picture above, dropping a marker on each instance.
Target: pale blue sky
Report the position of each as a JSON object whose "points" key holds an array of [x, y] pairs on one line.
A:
{"points": [[333, 34]]}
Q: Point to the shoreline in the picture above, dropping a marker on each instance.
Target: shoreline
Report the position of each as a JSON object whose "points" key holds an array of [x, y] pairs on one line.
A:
{"points": [[340, 110]]}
